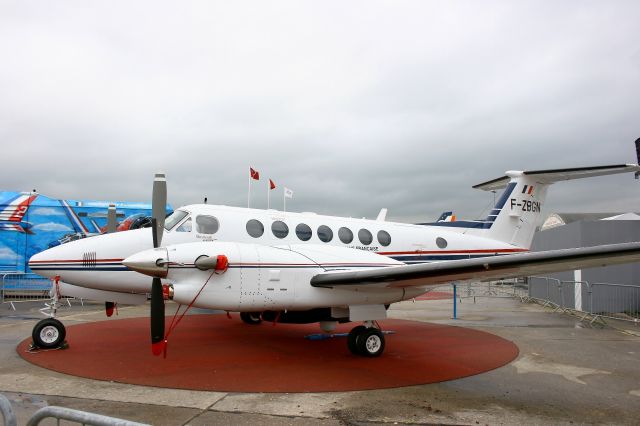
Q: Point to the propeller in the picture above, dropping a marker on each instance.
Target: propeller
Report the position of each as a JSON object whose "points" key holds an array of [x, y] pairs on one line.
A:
{"points": [[157, 317], [112, 222], [158, 211]]}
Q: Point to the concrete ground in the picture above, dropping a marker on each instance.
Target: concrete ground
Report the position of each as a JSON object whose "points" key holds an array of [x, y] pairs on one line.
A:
{"points": [[567, 373]]}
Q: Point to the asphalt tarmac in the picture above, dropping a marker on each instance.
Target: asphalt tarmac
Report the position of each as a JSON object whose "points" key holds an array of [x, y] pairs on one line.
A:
{"points": [[568, 372]]}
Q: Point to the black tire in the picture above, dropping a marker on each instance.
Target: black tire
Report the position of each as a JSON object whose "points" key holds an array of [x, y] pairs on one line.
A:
{"points": [[48, 333], [252, 318], [352, 339], [371, 343]]}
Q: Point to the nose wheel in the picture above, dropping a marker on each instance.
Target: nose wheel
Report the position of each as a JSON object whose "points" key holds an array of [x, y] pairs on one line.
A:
{"points": [[48, 333], [366, 341]]}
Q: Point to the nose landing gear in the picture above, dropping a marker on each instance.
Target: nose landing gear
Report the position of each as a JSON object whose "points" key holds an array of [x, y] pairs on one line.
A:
{"points": [[48, 333]]}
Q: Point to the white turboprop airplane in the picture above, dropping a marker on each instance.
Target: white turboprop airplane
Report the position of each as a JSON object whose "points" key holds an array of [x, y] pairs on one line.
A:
{"points": [[303, 267]]}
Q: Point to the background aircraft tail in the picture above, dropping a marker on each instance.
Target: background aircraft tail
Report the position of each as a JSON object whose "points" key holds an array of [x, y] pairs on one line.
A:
{"points": [[517, 212]]}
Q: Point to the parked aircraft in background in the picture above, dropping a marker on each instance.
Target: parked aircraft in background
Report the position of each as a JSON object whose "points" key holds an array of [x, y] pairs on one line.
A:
{"points": [[303, 267], [135, 221]]}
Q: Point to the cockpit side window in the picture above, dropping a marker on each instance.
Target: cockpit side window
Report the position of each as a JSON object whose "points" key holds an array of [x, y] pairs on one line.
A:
{"points": [[207, 224], [185, 227], [174, 219]]}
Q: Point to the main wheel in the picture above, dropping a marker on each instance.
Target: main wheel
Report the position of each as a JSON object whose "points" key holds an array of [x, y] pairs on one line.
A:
{"points": [[250, 317], [48, 333], [371, 343], [352, 339]]}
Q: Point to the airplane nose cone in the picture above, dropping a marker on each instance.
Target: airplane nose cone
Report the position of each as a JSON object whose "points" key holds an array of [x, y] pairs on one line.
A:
{"points": [[154, 262], [42, 264]]}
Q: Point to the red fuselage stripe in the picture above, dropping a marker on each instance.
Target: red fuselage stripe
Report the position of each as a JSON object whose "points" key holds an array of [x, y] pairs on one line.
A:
{"points": [[480, 251]]}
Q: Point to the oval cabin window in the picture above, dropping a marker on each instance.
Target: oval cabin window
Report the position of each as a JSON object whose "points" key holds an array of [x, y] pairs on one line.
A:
{"points": [[279, 229], [325, 233], [365, 236], [255, 228], [303, 231]]}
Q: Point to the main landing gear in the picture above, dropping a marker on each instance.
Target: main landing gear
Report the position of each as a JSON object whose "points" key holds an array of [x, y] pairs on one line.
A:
{"points": [[252, 318], [366, 340]]}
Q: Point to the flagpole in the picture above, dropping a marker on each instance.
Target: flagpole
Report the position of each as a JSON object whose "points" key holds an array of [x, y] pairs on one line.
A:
{"points": [[284, 198], [249, 196], [268, 193]]}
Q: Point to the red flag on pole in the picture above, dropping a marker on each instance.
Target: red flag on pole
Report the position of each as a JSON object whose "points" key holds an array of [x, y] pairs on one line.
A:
{"points": [[254, 174], [272, 185]]}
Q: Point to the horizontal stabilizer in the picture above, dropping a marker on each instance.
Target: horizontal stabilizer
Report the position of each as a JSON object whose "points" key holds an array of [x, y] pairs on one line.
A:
{"points": [[557, 175]]}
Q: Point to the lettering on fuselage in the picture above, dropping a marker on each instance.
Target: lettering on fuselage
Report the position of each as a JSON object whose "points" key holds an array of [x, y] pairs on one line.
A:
{"points": [[526, 205], [366, 248]]}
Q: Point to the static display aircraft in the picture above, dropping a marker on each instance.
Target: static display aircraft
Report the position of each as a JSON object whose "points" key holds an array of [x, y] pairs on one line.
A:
{"points": [[302, 267]]}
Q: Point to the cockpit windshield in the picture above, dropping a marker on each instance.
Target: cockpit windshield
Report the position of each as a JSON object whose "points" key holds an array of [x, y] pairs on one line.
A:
{"points": [[173, 219]]}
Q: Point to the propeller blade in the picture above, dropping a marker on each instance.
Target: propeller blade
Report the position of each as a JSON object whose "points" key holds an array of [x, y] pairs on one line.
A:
{"points": [[154, 232], [112, 222], [157, 317], [159, 204]]}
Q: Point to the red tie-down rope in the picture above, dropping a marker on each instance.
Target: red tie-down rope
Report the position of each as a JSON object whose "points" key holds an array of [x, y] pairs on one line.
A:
{"points": [[174, 321]]}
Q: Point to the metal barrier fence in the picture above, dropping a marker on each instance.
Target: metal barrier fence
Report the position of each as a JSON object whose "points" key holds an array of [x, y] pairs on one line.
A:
{"points": [[505, 288], [23, 287], [8, 416], [594, 300], [82, 417], [61, 413], [617, 301], [590, 301]]}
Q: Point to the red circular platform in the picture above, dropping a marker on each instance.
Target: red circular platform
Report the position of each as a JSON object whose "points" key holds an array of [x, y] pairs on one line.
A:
{"points": [[213, 353]]}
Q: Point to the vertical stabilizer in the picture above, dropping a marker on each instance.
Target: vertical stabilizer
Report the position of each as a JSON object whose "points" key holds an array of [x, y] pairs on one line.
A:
{"points": [[517, 212]]}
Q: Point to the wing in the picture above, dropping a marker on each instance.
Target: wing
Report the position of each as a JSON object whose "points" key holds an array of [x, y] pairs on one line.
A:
{"points": [[484, 268]]}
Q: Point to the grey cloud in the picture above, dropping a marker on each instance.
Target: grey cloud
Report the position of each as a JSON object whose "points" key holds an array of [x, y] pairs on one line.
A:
{"points": [[354, 106]]}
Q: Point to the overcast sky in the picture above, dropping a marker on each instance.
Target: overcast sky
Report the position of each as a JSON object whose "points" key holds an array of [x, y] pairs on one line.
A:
{"points": [[354, 105]]}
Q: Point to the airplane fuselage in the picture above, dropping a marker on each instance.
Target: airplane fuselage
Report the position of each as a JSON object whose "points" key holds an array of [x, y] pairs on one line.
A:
{"points": [[96, 262]]}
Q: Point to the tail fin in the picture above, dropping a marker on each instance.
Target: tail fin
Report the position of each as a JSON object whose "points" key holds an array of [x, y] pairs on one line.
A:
{"points": [[15, 209], [447, 217], [517, 212]]}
